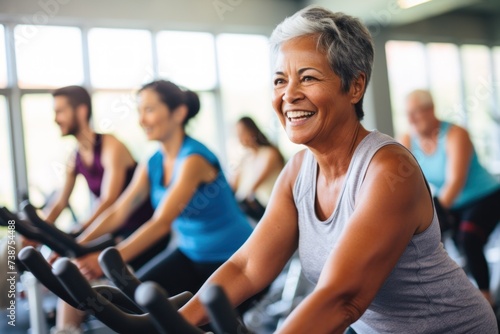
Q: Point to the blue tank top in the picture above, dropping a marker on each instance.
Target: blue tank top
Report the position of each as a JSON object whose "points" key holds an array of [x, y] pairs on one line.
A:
{"points": [[479, 182], [211, 227]]}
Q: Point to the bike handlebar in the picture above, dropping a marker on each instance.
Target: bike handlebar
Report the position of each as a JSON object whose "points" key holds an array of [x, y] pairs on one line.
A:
{"points": [[26, 229], [42, 270], [166, 318], [73, 249], [222, 315], [78, 287]]}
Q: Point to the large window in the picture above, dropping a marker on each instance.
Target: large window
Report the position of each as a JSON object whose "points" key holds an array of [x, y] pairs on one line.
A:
{"points": [[245, 79], [444, 74], [460, 79], [403, 78], [120, 58], [230, 73], [6, 174], [478, 101], [48, 155], [48, 56], [204, 126], [187, 58], [3, 59], [116, 113]]}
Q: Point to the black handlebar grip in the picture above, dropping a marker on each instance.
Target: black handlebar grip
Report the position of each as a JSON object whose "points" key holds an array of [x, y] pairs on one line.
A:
{"points": [[98, 244], [73, 249], [118, 298], [167, 320], [222, 315], [31, 232], [42, 270], [181, 299], [6, 214], [119, 321], [117, 271], [65, 240]]}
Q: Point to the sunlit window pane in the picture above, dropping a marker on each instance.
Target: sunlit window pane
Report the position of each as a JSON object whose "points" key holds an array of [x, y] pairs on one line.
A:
{"points": [[6, 174], [3, 59], [116, 113], [120, 58], [203, 126], [496, 84], [48, 56], [444, 72], [495, 167], [187, 58], [47, 155], [406, 67], [245, 78], [478, 99]]}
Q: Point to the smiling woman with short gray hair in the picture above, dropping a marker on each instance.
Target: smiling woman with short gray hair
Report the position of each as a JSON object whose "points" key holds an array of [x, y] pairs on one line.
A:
{"points": [[354, 203]]}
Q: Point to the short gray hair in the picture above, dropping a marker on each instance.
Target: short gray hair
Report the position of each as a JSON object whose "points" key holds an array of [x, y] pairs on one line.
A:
{"points": [[423, 96], [346, 41]]}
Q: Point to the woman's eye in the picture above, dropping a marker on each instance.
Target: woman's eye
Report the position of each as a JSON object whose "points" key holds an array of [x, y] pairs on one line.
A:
{"points": [[308, 78], [278, 81]]}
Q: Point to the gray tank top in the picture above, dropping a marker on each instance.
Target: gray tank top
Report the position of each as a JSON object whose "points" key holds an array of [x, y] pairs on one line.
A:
{"points": [[427, 292]]}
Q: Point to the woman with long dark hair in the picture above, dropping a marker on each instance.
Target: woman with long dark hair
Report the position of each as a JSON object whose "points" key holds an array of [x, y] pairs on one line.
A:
{"points": [[258, 170]]}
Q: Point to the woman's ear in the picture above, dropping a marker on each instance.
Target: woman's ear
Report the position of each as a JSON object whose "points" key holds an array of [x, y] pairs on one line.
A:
{"points": [[180, 113], [357, 89]]}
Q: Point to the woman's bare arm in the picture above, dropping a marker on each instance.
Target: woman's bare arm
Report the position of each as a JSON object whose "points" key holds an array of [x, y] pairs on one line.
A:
{"points": [[272, 162], [405, 140], [194, 171], [459, 153]]}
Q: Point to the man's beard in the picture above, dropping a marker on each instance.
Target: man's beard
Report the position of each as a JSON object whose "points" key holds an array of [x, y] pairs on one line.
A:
{"points": [[73, 129]]}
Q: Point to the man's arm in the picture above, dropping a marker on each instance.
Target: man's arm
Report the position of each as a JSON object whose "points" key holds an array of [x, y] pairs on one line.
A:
{"points": [[114, 217], [114, 160], [64, 196]]}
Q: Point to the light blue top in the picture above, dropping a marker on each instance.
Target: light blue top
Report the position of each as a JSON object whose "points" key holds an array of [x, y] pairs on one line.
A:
{"points": [[479, 182], [211, 227]]}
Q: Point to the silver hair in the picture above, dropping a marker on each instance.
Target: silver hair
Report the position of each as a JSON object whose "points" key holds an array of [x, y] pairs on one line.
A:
{"points": [[345, 40], [423, 97]]}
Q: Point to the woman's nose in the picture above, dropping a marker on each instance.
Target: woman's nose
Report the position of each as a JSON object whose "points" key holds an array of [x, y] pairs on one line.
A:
{"points": [[292, 92]]}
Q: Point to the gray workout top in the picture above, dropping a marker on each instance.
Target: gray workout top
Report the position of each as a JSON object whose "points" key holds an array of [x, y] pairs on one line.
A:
{"points": [[427, 292]]}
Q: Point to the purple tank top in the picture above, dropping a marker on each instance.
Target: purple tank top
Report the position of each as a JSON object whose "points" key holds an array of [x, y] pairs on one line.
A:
{"points": [[95, 172], [94, 175]]}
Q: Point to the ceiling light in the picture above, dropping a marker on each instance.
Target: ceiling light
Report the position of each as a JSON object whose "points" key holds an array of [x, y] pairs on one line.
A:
{"points": [[405, 4]]}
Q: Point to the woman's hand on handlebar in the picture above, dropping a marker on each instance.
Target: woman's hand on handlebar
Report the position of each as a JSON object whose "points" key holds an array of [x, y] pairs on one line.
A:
{"points": [[89, 266], [28, 242], [53, 257]]}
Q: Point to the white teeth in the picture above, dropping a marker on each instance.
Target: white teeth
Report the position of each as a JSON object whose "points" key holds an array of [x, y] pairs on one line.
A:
{"points": [[297, 114]]}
